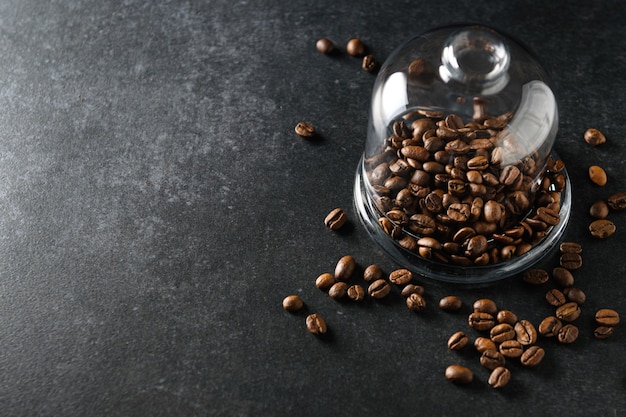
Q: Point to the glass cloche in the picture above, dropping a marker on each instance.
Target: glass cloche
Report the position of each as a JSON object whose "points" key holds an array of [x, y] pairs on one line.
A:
{"points": [[458, 181]]}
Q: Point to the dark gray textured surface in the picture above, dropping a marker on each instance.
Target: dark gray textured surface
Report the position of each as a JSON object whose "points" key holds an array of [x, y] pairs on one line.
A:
{"points": [[156, 207]]}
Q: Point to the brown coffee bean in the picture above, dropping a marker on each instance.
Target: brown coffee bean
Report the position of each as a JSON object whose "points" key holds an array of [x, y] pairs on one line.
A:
{"points": [[485, 305], [563, 277], [325, 46], [483, 343], [506, 316], [555, 297], [594, 137], [458, 341], [481, 321], [369, 64], [532, 356], [511, 349], [499, 377], [493, 211], [338, 290], [316, 324], [603, 332], [305, 130], [379, 289], [412, 288], [491, 359], [568, 334], [597, 175], [575, 294], [372, 273], [324, 281], [355, 47], [570, 247], [550, 326], [509, 175], [415, 152], [336, 219], [415, 302], [602, 228], [568, 312], [292, 303], [617, 201], [450, 303], [356, 292], [501, 332], [401, 276], [571, 261], [599, 210], [536, 276], [459, 374], [550, 217], [345, 268], [525, 332], [607, 317]]}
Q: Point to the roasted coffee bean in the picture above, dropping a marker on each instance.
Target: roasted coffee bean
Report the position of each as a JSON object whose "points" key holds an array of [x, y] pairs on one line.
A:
{"points": [[458, 341], [305, 130], [324, 281], [509, 175], [491, 359], [415, 302], [355, 47], [568, 334], [568, 312], [499, 377], [525, 332], [325, 46], [292, 303], [506, 316], [345, 268], [607, 317], [550, 326], [555, 297], [481, 321], [548, 216], [316, 324], [563, 277], [379, 289], [412, 288], [617, 201], [602, 228], [570, 247], [603, 332], [599, 210], [415, 152], [511, 349], [594, 137], [476, 246], [536, 276], [450, 303], [571, 261], [501, 332], [369, 63], [356, 292], [532, 356], [459, 374], [575, 294], [336, 219], [401, 276], [483, 343], [493, 211], [485, 305], [597, 175], [373, 273], [338, 290], [458, 212]]}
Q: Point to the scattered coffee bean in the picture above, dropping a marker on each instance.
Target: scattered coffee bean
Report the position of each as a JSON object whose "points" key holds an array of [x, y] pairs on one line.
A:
{"points": [[373, 273], [292, 303], [603, 332], [617, 201], [499, 377], [607, 317], [345, 268], [563, 276], [485, 305], [594, 137], [571, 261], [525, 332], [532, 356], [483, 343], [369, 64], [336, 219], [570, 247], [450, 303], [356, 292], [555, 297], [355, 47], [401, 276], [316, 324], [599, 210], [325, 46], [305, 130], [501, 332], [379, 289], [535, 276], [506, 316], [511, 349], [415, 302], [575, 294], [597, 175], [412, 289], [550, 326], [338, 290], [459, 374], [491, 359], [568, 312], [568, 334], [602, 228], [481, 321], [324, 281], [458, 341]]}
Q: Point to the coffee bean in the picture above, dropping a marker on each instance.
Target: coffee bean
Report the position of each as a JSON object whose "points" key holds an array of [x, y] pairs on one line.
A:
{"points": [[501, 332], [483, 343], [369, 64], [607, 317], [415, 302], [499, 377], [617, 201], [379, 289], [511, 349], [535, 276], [305, 130], [412, 288], [450, 303], [563, 277], [550, 326], [532, 356], [485, 305], [325, 46], [568, 334], [597, 175], [338, 290], [602, 228], [372, 273], [555, 297], [458, 341], [336, 219], [599, 210], [459, 374], [316, 324], [568, 312], [491, 359], [603, 332], [575, 294], [571, 261], [355, 47], [594, 137], [525, 332], [345, 268], [356, 292], [401, 276], [324, 281], [292, 303], [481, 321], [506, 316]]}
